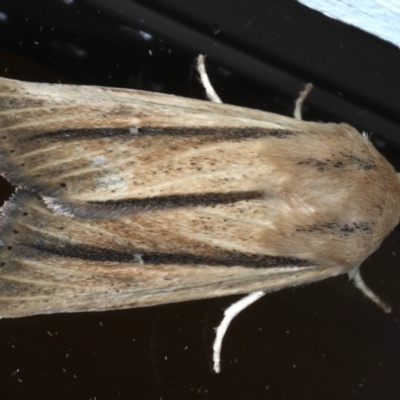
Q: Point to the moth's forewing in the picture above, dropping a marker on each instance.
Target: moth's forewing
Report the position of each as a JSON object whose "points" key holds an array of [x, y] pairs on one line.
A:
{"points": [[52, 263], [96, 152], [80, 144]]}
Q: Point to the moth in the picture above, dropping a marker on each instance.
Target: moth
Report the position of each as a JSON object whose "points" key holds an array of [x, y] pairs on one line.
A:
{"points": [[129, 198]]}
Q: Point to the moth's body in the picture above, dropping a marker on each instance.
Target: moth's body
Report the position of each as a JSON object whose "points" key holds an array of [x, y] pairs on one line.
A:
{"points": [[154, 198]]}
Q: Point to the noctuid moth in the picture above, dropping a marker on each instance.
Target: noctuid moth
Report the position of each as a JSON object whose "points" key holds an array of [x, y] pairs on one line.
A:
{"points": [[129, 198]]}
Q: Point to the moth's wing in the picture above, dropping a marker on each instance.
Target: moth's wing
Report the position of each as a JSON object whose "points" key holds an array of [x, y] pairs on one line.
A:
{"points": [[53, 263], [94, 151]]}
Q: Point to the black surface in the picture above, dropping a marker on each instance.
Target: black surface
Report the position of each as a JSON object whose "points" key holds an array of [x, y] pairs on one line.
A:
{"points": [[324, 341]]}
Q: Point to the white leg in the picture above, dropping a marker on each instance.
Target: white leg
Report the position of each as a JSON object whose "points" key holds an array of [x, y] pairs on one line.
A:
{"points": [[229, 314], [356, 277], [299, 102], [210, 92]]}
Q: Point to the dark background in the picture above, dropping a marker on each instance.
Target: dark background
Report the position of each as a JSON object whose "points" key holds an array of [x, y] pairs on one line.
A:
{"points": [[324, 341]]}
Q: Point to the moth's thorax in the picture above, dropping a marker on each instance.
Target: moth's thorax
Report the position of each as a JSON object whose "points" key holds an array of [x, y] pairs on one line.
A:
{"points": [[334, 197]]}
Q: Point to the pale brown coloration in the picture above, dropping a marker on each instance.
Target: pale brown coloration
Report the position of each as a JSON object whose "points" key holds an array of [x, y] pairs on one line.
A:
{"points": [[176, 199], [62, 264], [80, 144]]}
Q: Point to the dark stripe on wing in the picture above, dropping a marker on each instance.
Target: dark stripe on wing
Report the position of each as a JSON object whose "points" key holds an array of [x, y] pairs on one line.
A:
{"points": [[344, 161], [216, 134], [223, 259], [179, 200], [126, 207], [340, 228]]}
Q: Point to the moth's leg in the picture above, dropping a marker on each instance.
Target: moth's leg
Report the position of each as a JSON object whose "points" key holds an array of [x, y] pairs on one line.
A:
{"points": [[356, 277], [229, 314], [300, 100], [234, 309], [210, 92]]}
